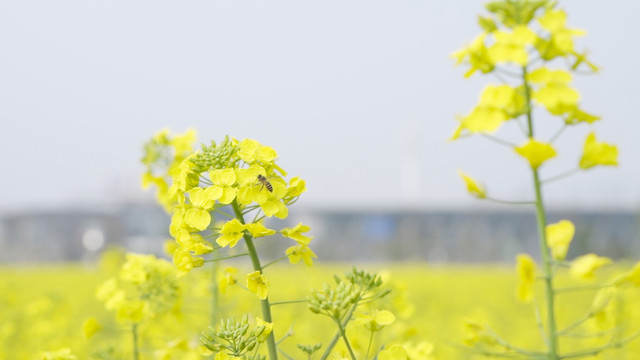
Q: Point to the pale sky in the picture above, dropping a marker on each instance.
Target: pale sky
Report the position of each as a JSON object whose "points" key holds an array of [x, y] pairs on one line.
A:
{"points": [[357, 97]]}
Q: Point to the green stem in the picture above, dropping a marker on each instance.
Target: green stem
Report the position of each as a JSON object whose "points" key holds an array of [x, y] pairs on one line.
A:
{"points": [[134, 333], [561, 176], [274, 261], [289, 302], [344, 337], [334, 341], [226, 257], [508, 202], [369, 347], [255, 261], [215, 293], [542, 235]]}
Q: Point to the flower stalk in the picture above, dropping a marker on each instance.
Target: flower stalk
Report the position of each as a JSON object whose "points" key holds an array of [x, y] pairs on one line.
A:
{"points": [[255, 262]]}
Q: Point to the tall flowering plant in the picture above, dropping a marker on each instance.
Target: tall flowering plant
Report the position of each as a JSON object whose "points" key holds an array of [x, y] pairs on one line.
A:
{"points": [[240, 182], [529, 49]]}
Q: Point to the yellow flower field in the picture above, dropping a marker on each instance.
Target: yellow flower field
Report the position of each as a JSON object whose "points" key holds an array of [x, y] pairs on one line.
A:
{"points": [[44, 310]]}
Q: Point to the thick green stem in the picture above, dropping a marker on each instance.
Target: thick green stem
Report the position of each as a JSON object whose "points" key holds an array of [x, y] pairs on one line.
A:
{"points": [[541, 218], [264, 304], [134, 333]]}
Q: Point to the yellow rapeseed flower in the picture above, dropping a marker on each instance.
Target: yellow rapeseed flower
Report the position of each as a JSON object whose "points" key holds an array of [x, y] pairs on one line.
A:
{"points": [[231, 232], [295, 233], [227, 278], [90, 327], [393, 352], [598, 153], [257, 284], [559, 236], [376, 320], [536, 152], [527, 276], [584, 267], [473, 187], [512, 46], [300, 252]]}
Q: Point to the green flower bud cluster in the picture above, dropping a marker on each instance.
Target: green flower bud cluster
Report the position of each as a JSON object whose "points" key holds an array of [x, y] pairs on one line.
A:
{"points": [[233, 337], [349, 291], [362, 279], [512, 13], [334, 302], [309, 349], [216, 156]]}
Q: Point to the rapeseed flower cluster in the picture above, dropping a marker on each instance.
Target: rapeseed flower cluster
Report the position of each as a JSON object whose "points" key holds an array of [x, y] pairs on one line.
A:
{"points": [[146, 287], [504, 48], [238, 176]]}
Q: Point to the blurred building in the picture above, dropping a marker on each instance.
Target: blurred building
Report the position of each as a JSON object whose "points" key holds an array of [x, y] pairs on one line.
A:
{"points": [[79, 234], [434, 236], [463, 236]]}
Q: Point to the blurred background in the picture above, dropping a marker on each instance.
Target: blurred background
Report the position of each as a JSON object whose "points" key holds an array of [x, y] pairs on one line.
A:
{"points": [[358, 98]]}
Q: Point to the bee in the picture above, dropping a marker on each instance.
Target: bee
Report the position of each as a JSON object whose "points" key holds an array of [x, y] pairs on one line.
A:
{"points": [[265, 183]]}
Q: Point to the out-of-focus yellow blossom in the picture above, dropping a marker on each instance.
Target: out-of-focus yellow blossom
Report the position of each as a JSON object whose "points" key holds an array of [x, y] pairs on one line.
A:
{"points": [[473, 187], [420, 351], [559, 236], [376, 320], [300, 252], [393, 352], [61, 354], [224, 356], [170, 247], [498, 103], [227, 278], [526, 269], [257, 284], [194, 243], [476, 55], [598, 153], [183, 143], [90, 327], [185, 262], [536, 152], [631, 277], [584, 267], [476, 334], [512, 46], [295, 233], [581, 58], [458, 131], [296, 187], [602, 299], [167, 152], [576, 116], [231, 232], [554, 92], [268, 328], [561, 41], [132, 311], [184, 178]]}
